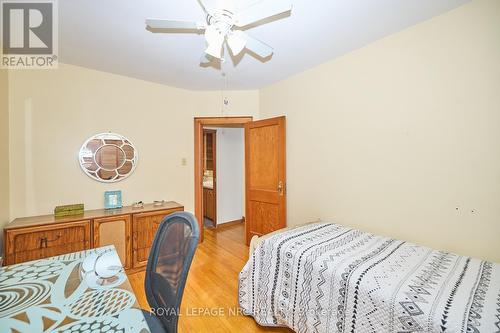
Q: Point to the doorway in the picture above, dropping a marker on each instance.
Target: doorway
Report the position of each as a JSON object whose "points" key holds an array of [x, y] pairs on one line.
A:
{"points": [[264, 178], [201, 125]]}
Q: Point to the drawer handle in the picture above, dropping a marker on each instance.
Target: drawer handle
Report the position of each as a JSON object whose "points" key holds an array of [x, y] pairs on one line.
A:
{"points": [[44, 241]]}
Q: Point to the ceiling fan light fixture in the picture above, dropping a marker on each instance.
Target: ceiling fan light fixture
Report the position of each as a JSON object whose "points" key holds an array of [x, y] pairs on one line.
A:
{"points": [[214, 39], [236, 43], [215, 50], [220, 24]]}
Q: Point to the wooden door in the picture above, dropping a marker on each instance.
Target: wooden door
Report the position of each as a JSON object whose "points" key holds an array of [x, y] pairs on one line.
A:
{"points": [[265, 165], [115, 230]]}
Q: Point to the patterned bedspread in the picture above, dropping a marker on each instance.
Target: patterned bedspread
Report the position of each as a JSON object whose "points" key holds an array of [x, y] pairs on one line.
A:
{"points": [[329, 278]]}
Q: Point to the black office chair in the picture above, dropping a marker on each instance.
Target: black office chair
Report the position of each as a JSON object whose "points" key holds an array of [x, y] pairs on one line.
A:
{"points": [[168, 266]]}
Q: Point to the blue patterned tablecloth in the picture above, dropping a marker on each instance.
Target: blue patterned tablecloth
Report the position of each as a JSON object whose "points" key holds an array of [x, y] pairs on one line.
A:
{"points": [[50, 295]]}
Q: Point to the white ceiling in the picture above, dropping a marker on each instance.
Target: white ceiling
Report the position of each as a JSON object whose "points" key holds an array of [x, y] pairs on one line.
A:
{"points": [[110, 35]]}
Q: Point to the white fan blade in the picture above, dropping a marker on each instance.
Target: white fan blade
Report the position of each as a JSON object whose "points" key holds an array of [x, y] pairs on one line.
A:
{"points": [[262, 10], [174, 24], [260, 48], [202, 5]]}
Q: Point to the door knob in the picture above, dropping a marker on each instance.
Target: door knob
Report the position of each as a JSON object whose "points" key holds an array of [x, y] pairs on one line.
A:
{"points": [[280, 187]]}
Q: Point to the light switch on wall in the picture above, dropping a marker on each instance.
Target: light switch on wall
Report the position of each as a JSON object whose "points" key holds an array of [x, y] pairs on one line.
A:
{"points": [[183, 161]]}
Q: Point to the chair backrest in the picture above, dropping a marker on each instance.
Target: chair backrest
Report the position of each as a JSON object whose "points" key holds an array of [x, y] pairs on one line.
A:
{"points": [[168, 266]]}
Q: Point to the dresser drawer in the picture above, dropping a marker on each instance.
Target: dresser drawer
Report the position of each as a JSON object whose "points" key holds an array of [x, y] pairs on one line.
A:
{"points": [[41, 242]]}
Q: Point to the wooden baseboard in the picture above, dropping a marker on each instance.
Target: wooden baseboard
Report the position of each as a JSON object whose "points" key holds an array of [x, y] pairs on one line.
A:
{"points": [[222, 226]]}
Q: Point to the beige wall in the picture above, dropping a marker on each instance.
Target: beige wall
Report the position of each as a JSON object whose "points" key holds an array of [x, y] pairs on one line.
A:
{"points": [[4, 151], [54, 111], [392, 138]]}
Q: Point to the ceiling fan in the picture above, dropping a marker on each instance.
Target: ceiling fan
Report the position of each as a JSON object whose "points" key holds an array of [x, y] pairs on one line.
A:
{"points": [[225, 25]]}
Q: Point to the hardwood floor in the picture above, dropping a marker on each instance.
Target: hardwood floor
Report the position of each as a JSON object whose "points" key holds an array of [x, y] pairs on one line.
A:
{"points": [[212, 285]]}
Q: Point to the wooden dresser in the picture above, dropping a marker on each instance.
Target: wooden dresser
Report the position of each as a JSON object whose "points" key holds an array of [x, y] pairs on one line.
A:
{"points": [[130, 230]]}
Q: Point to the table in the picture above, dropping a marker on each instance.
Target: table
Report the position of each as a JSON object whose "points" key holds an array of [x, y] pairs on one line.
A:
{"points": [[50, 295]]}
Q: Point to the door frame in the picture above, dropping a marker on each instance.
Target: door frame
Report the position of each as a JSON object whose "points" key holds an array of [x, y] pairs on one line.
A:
{"points": [[199, 122]]}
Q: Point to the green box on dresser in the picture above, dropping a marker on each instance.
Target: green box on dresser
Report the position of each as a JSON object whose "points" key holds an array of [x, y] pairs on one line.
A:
{"points": [[69, 210]]}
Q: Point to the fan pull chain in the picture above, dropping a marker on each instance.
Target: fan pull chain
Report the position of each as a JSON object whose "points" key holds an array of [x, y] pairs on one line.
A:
{"points": [[224, 100]]}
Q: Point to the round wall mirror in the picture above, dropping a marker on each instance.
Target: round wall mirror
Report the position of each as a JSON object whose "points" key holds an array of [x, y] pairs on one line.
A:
{"points": [[108, 157]]}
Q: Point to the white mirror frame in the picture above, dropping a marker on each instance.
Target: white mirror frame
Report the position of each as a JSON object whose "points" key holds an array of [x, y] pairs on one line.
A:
{"points": [[86, 153]]}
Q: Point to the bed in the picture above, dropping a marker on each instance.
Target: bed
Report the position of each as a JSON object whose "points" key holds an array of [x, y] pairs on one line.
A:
{"points": [[324, 277]]}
